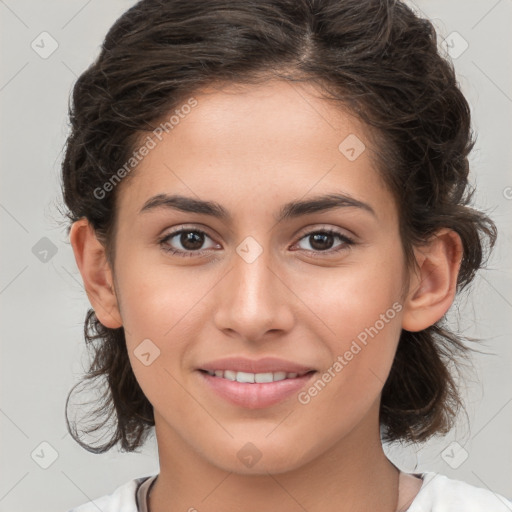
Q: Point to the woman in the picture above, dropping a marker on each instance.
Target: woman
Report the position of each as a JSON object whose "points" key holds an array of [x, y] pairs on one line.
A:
{"points": [[271, 214]]}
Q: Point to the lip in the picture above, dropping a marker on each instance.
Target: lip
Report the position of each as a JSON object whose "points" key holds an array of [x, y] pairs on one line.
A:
{"points": [[263, 365], [255, 395]]}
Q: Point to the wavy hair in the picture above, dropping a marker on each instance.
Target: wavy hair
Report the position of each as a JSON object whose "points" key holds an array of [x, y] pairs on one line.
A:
{"points": [[374, 58]]}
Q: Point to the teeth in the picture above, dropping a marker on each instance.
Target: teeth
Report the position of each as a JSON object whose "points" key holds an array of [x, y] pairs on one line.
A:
{"points": [[230, 375], [247, 377], [261, 378]]}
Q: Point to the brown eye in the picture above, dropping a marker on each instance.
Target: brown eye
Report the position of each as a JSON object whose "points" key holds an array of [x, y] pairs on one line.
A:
{"points": [[324, 240], [191, 240], [185, 242]]}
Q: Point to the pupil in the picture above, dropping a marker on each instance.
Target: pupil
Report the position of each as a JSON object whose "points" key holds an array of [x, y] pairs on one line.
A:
{"points": [[191, 240], [318, 238]]}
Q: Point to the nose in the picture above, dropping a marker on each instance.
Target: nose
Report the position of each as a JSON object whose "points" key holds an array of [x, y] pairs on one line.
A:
{"points": [[253, 299]]}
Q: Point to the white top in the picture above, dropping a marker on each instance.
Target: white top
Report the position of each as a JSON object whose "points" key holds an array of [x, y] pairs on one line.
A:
{"points": [[438, 493]]}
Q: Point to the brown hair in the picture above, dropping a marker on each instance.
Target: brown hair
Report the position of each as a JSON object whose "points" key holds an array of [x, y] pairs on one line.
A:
{"points": [[374, 58]]}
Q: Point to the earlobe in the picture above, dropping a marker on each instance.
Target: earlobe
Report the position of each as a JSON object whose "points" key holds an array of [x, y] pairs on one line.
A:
{"points": [[97, 276], [433, 284]]}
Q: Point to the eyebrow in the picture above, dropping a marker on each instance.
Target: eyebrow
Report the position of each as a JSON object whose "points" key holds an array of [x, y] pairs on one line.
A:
{"points": [[288, 211]]}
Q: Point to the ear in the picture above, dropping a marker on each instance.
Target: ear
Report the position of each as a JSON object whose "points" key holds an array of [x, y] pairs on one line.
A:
{"points": [[92, 262], [433, 283]]}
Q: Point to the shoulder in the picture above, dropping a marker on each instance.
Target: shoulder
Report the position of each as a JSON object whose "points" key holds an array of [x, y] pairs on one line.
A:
{"points": [[122, 499], [438, 493]]}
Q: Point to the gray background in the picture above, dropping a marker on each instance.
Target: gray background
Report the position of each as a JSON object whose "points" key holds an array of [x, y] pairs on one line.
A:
{"points": [[43, 303]]}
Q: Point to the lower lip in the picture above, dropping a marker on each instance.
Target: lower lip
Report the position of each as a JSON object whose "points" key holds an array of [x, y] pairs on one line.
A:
{"points": [[254, 395]]}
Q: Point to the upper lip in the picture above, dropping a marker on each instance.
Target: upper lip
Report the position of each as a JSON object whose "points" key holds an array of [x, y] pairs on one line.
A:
{"points": [[264, 365]]}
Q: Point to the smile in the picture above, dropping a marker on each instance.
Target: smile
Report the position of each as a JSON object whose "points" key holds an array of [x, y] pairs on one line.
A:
{"points": [[254, 390], [253, 378]]}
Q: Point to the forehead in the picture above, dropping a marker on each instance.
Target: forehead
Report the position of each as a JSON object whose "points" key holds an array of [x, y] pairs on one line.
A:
{"points": [[244, 145]]}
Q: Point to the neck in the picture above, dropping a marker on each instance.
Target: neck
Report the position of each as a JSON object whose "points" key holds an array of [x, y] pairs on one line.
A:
{"points": [[353, 475]]}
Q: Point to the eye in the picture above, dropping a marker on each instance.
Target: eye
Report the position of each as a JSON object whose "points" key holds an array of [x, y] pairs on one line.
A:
{"points": [[190, 240], [322, 241]]}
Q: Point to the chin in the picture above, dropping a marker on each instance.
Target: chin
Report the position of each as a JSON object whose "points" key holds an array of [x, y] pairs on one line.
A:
{"points": [[260, 457]]}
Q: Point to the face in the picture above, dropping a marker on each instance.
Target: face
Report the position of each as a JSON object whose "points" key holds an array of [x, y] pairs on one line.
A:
{"points": [[255, 289]]}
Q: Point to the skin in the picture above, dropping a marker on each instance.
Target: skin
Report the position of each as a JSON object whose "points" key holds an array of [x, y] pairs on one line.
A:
{"points": [[252, 150]]}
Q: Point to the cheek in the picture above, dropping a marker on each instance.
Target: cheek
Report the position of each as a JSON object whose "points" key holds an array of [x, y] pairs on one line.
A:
{"points": [[361, 307], [160, 316], [156, 299], [350, 299], [366, 322]]}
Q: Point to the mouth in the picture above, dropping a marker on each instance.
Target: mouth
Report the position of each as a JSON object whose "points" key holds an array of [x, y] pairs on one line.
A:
{"points": [[254, 384], [255, 378]]}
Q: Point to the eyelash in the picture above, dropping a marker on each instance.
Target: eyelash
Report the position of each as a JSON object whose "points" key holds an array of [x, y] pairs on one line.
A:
{"points": [[347, 242]]}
